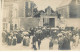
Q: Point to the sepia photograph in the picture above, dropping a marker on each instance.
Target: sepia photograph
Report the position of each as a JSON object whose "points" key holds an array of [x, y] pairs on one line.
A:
{"points": [[36, 25]]}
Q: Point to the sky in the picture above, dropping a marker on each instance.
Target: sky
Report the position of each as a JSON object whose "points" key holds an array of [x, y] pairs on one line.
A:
{"points": [[42, 4]]}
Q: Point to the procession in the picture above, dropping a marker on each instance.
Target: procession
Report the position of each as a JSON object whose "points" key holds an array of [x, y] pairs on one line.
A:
{"points": [[62, 37], [40, 25]]}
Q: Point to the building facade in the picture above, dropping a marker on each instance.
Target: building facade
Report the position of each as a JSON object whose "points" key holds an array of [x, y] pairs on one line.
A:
{"points": [[49, 11], [7, 15], [48, 20], [10, 12], [29, 7], [69, 9]]}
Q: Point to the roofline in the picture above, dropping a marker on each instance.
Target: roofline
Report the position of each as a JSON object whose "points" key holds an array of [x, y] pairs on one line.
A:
{"points": [[65, 5], [61, 7]]}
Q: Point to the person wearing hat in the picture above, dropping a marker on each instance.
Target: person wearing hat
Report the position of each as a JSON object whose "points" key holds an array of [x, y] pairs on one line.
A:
{"points": [[29, 33], [34, 39], [32, 31], [44, 32], [60, 41], [14, 40], [66, 42], [18, 36], [51, 43], [26, 39], [39, 43], [77, 39], [74, 40], [4, 36], [10, 39]]}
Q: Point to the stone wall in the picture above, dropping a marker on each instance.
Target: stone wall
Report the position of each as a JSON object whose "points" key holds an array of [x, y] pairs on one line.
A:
{"points": [[70, 22], [75, 22], [27, 23]]}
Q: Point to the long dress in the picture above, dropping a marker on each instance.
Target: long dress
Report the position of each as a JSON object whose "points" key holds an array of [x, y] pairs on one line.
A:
{"points": [[77, 40], [26, 41], [14, 41], [51, 44], [60, 44], [19, 38], [66, 44], [4, 36], [9, 40]]}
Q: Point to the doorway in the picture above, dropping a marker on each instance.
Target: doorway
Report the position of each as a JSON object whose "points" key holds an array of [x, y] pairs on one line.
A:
{"points": [[52, 22]]}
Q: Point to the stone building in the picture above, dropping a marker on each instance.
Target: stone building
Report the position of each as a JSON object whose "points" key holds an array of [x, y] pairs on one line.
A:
{"points": [[69, 9], [10, 12], [50, 21], [48, 18], [70, 13], [7, 14], [29, 7], [49, 11], [14, 11]]}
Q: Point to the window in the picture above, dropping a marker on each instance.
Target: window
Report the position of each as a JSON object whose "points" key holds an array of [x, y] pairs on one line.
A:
{"points": [[15, 26]]}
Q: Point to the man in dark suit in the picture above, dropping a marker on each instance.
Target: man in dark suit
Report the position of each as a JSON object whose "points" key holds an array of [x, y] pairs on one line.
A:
{"points": [[34, 42], [64, 42]]}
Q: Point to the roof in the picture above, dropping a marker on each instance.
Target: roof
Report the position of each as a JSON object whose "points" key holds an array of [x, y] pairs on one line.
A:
{"points": [[64, 3]]}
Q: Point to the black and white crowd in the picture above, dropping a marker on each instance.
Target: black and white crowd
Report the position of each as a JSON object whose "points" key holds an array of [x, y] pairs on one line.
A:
{"points": [[63, 36]]}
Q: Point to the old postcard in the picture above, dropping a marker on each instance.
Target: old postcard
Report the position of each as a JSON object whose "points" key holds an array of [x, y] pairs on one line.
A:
{"points": [[29, 25]]}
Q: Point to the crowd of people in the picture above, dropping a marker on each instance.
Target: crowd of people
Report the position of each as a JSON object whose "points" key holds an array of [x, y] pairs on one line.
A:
{"points": [[63, 37]]}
